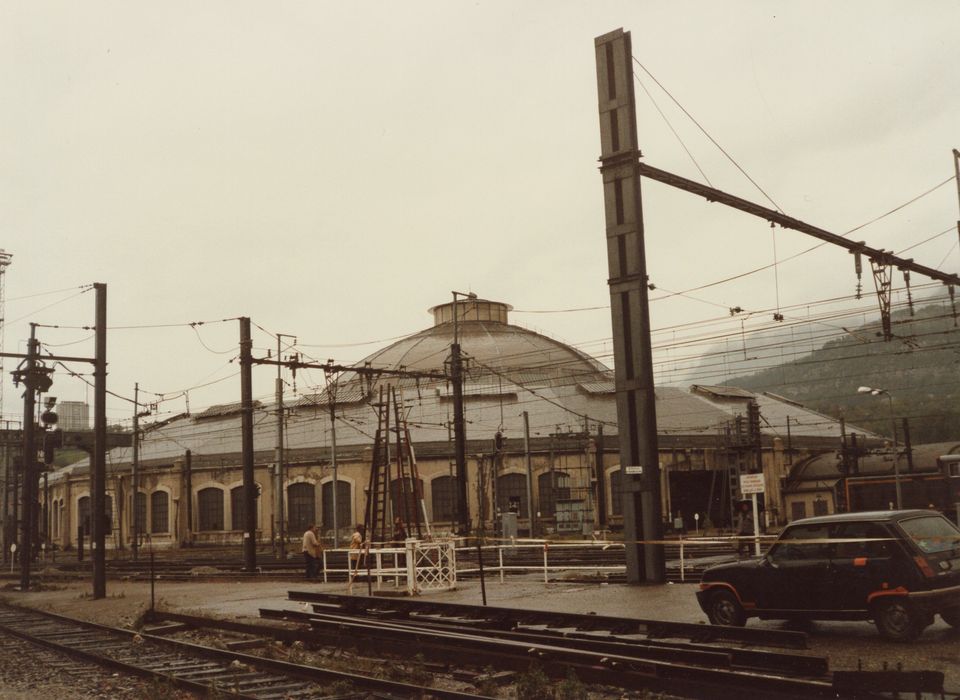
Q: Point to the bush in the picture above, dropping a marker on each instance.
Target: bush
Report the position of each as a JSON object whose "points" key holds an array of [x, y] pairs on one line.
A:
{"points": [[534, 685]]}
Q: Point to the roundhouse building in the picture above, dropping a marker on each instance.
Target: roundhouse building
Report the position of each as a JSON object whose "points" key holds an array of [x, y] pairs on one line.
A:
{"points": [[191, 482]]}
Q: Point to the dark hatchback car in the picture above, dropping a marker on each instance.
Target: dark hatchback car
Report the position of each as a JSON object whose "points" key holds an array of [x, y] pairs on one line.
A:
{"points": [[897, 568]]}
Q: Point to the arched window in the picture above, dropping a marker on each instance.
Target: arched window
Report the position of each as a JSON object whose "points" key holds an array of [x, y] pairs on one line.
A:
{"points": [[444, 499], [83, 515], [405, 499], [343, 505], [616, 495], [209, 509], [553, 486], [159, 512], [512, 494], [301, 507], [140, 512]]}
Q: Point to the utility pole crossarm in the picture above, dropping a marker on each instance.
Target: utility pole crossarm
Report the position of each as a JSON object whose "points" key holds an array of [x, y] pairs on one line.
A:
{"points": [[57, 358], [712, 194], [330, 367]]}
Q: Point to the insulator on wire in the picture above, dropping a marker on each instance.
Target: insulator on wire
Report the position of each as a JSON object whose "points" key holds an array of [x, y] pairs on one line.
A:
{"points": [[858, 266], [953, 305], [906, 282]]}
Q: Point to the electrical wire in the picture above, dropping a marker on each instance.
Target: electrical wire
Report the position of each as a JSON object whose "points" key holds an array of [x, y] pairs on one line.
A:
{"points": [[84, 290], [82, 287], [674, 131], [905, 204], [207, 347], [705, 133], [533, 392], [72, 342], [139, 327], [949, 252]]}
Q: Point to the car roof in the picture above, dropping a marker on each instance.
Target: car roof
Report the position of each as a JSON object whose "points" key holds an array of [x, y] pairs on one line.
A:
{"points": [[870, 515]]}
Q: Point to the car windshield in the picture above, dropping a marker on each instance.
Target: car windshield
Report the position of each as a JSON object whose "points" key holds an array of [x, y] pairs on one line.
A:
{"points": [[932, 533]]}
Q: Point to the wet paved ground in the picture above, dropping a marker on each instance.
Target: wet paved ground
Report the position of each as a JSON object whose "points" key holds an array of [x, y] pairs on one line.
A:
{"points": [[847, 644]]}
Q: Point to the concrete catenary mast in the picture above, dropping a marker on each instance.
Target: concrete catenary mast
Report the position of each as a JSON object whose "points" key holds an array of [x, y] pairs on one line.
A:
{"points": [[629, 306]]}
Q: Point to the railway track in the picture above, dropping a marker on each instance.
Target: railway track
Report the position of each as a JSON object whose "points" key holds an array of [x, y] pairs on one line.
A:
{"points": [[685, 659], [196, 667]]}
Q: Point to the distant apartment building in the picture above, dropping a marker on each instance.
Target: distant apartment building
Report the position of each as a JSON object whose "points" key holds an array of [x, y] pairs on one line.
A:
{"points": [[74, 415]]}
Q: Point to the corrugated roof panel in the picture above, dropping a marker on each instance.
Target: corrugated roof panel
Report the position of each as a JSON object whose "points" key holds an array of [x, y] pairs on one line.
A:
{"points": [[600, 386], [225, 409], [352, 392], [724, 392]]}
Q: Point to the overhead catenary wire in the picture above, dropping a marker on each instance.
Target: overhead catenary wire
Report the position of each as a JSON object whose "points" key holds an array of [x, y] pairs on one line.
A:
{"points": [[781, 261], [143, 326], [707, 134], [83, 290], [82, 287], [439, 425], [656, 106], [853, 312], [365, 408], [949, 252]]}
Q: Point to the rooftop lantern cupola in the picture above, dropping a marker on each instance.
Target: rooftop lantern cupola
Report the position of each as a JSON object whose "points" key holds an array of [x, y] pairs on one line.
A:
{"points": [[471, 310]]}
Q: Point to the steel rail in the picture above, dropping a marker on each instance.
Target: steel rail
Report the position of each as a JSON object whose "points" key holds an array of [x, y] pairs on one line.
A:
{"points": [[510, 618], [637, 673], [382, 634], [632, 673], [82, 653], [688, 652], [208, 677]]}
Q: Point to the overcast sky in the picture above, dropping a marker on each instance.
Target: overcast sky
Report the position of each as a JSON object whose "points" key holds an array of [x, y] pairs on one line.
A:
{"points": [[334, 169]]}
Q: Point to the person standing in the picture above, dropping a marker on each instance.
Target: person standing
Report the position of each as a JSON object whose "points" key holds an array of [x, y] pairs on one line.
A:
{"points": [[354, 559], [311, 553]]}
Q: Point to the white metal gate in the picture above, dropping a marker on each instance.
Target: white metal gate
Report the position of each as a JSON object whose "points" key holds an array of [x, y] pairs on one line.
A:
{"points": [[431, 566]]}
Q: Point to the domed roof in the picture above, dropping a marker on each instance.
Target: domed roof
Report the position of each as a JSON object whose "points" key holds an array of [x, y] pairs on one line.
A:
{"points": [[490, 346]]}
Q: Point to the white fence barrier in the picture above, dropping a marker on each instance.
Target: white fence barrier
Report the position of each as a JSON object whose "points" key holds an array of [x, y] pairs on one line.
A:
{"points": [[431, 566], [421, 566], [418, 566], [718, 547]]}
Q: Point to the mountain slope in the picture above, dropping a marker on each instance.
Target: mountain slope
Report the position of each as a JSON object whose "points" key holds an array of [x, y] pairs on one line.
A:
{"points": [[919, 368]]}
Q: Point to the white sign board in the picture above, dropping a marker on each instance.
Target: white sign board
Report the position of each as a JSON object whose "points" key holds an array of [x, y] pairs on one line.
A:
{"points": [[751, 483], [633, 470]]}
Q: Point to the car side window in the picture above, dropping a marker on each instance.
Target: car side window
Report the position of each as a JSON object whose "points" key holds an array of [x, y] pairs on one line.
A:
{"points": [[802, 543], [868, 540]]}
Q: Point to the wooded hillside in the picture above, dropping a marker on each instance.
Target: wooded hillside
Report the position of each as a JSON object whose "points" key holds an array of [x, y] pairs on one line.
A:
{"points": [[920, 368]]}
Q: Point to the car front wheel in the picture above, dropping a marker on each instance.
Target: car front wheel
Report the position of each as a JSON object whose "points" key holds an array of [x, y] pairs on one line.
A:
{"points": [[725, 609], [897, 620]]}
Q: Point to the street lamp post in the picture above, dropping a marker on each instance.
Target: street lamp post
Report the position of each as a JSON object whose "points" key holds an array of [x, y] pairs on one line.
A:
{"points": [[459, 433], [893, 425]]}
